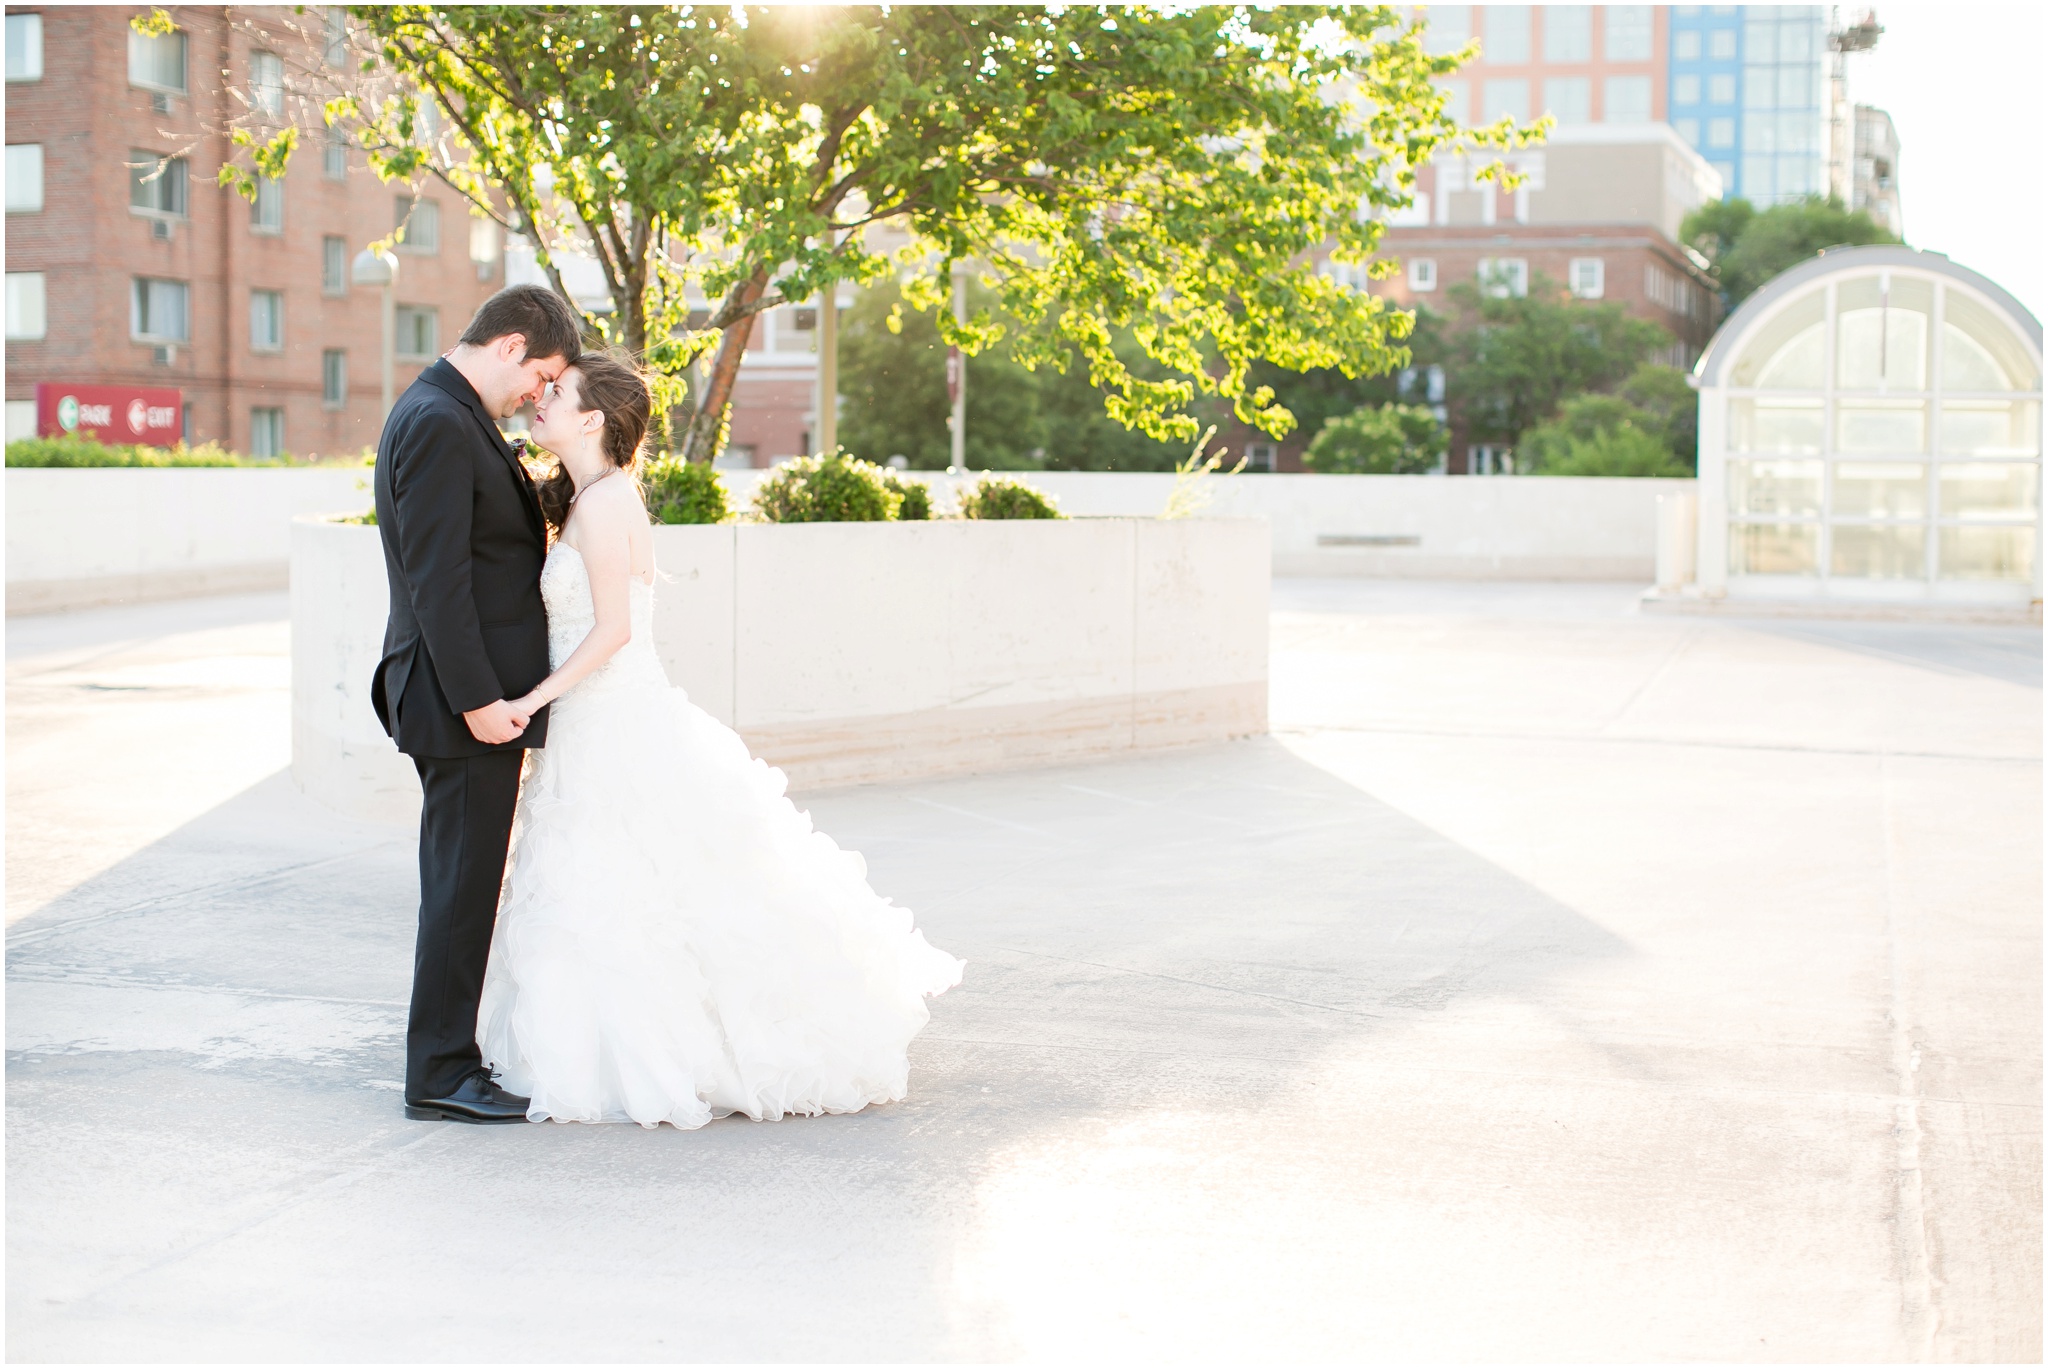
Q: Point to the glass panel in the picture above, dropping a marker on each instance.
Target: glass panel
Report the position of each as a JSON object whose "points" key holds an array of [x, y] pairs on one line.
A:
{"points": [[1980, 350], [1876, 425], [1773, 548], [1897, 552], [1774, 487], [1785, 354], [1507, 34], [1987, 552], [1891, 489], [2001, 490], [1791, 426], [1980, 427], [1882, 337]]}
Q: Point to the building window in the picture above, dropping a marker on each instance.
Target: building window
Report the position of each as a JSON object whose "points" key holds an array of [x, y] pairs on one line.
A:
{"points": [[1628, 99], [1685, 45], [1569, 100], [24, 47], [1504, 277], [27, 319], [1506, 100], [419, 333], [156, 61], [1688, 129], [266, 432], [334, 156], [1720, 133], [334, 50], [1567, 33], [266, 320], [483, 247], [266, 83], [24, 178], [160, 311], [418, 223], [1685, 90], [1422, 275], [1261, 456], [1507, 35], [1628, 33], [266, 211], [334, 377], [1721, 45], [334, 265], [1721, 90], [157, 184], [1588, 277], [1450, 28]]}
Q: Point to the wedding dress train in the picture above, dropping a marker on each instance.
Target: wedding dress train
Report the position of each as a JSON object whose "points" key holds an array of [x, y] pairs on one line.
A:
{"points": [[674, 941]]}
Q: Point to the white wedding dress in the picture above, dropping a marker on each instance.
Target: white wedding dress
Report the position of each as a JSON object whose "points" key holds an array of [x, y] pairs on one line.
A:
{"points": [[675, 942]]}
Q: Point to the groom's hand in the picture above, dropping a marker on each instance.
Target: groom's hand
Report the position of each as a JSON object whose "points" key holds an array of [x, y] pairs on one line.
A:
{"points": [[494, 724]]}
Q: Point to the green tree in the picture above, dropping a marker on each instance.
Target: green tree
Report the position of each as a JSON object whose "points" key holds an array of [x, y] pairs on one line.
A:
{"points": [[892, 385], [1515, 359], [1393, 439], [1597, 435], [893, 399], [1670, 409], [1163, 172], [1316, 396], [1745, 246]]}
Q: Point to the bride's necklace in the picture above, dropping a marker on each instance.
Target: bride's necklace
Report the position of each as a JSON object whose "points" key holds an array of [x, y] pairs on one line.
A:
{"points": [[609, 470]]}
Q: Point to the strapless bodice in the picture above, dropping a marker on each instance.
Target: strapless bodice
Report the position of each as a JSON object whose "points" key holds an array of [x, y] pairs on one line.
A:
{"points": [[565, 589]]}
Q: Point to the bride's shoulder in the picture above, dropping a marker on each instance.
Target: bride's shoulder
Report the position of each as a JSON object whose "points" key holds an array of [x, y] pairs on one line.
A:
{"points": [[611, 500]]}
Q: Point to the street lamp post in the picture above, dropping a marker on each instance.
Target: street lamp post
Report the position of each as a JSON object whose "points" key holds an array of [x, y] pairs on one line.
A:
{"points": [[956, 372], [828, 369], [381, 269]]}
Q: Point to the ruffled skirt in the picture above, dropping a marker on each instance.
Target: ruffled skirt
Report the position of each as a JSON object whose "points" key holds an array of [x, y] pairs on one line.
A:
{"points": [[676, 943]]}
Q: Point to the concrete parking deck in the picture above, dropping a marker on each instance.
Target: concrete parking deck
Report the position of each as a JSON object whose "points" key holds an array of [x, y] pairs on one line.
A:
{"points": [[1555, 983]]}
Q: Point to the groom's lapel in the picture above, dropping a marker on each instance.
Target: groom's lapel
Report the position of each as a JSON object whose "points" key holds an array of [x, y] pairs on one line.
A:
{"points": [[444, 377]]}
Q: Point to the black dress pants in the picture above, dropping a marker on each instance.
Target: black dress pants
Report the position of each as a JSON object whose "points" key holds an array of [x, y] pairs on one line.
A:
{"points": [[465, 830]]}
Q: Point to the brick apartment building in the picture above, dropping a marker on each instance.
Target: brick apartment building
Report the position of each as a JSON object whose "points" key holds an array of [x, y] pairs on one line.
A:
{"points": [[128, 266]]}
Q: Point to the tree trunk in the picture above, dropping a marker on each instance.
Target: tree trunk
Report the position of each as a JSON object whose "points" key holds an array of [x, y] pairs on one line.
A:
{"points": [[707, 428]]}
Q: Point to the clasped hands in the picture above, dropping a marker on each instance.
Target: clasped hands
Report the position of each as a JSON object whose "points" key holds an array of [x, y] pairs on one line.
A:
{"points": [[503, 721]]}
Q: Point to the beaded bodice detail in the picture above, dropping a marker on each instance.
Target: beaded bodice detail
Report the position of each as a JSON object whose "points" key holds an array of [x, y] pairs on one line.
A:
{"points": [[565, 589]]}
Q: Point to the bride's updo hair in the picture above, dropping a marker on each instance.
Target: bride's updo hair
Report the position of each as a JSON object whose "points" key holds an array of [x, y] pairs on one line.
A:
{"points": [[607, 383]]}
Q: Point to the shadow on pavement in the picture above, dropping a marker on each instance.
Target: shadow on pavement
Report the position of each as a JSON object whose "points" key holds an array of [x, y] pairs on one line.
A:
{"points": [[208, 1158]]}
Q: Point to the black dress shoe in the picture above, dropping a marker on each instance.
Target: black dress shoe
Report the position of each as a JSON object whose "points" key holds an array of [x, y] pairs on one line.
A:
{"points": [[475, 1099]]}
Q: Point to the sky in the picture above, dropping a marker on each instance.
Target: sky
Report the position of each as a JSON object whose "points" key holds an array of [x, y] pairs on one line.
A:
{"points": [[1967, 87]]}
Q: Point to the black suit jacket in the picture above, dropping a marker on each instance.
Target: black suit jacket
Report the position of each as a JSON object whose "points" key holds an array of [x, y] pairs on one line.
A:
{"points": [[463, 547]]}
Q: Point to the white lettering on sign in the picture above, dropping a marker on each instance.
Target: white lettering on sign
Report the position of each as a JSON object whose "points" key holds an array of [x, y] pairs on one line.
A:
{"points": [[96, 415]]}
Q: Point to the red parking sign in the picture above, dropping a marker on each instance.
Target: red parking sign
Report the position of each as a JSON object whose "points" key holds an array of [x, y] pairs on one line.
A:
{"points": [[112, 413]]}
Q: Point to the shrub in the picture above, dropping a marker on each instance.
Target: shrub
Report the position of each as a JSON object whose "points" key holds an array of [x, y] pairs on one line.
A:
{"points": [[681, 491], [1004, 496], [827, 489], [71, 451], [1393, 439], [1598, 435], [87, 451], [916, 505]]}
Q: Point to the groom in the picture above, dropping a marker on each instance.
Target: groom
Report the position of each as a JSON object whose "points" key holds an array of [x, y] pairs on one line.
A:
{"points": [[463, 547]]}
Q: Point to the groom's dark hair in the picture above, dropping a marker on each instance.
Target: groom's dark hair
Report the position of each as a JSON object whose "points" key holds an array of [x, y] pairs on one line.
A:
{"points": [[546, 320]]}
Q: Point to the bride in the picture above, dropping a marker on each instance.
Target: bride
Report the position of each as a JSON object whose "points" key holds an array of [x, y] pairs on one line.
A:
{"points": [[674, 942]]}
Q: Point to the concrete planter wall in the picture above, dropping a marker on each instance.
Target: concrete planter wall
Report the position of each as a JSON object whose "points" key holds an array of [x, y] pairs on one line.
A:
{"points": [[81, 537], [855, 652], [76, 538]]}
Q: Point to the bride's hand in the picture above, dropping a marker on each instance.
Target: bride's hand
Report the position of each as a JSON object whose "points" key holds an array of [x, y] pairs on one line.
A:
{"points": [[526, 705]]}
